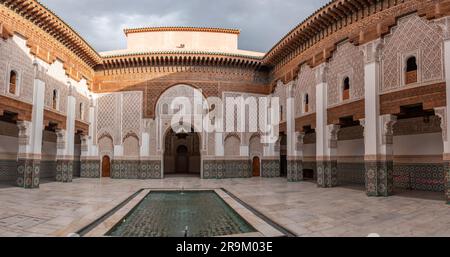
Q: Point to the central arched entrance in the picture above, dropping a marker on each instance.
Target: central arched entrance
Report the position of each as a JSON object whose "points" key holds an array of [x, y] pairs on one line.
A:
{"points": [[182, 153]]}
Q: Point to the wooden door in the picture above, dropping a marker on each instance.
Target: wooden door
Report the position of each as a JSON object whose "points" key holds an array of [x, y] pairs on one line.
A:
{"points": [[256, 167], [106, 167]]}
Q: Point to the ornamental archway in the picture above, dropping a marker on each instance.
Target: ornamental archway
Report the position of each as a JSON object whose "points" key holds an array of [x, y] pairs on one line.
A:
{"points": [[182, 154]]}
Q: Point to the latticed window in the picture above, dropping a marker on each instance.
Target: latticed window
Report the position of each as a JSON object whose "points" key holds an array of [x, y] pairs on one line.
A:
{"points": [[13, 81], [411, 70], [346, 89]]}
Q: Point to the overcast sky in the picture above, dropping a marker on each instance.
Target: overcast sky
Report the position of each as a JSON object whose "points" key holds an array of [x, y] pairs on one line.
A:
{"points": [[262, 22]]}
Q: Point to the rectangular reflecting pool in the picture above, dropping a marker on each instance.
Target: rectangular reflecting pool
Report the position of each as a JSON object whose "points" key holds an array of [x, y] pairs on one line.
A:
{"points": [[179, 214]]}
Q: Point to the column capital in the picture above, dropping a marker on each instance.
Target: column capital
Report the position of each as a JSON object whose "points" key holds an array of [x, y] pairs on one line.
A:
{"points": [[333, 131], [441, 112], [321, 72], [387, 133], [372, 51], [24, 132], [60, 139]]}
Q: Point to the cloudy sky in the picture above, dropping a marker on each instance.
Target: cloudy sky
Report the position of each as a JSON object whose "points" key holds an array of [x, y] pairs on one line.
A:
{"points": [[262, 22]]}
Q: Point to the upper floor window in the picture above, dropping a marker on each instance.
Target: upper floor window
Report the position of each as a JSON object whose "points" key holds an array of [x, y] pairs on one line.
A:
{"points": [[346, 89], [13, 82], [306, 103], [411, 70], [281, 112], [81, 111], [55, 99]]}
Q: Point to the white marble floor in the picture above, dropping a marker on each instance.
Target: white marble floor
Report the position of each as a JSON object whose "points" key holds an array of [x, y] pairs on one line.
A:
{"points": [[57, 209]]}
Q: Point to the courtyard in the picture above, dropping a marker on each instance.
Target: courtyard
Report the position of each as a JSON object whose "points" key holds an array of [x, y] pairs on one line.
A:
{"points": [[59, 209]]}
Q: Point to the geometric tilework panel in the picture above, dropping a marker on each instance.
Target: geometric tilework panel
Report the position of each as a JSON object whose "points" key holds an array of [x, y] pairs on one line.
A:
{"points": [[223, 169], [421, 177], [270, 168], [90, 169], [125, 169]]}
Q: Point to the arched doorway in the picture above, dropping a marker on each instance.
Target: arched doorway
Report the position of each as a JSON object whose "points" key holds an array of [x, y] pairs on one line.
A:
{"points": [[256, 167], [182, 153], [106, 167]]}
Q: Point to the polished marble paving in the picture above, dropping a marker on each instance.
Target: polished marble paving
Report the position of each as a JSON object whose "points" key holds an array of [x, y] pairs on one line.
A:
{"points": [[58, 209]]}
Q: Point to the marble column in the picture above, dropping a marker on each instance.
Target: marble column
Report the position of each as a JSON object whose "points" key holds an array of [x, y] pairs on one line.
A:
{"points": [[295, 159], [90, 163], [66, 141], [30, 137], [378, 134], [326, 134], [327, 165]]}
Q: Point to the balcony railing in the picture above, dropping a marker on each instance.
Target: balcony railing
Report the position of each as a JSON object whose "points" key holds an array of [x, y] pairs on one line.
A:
{"points": [[411, 77]]}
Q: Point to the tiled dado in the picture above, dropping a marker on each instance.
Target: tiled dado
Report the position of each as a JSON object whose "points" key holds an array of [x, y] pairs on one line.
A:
{"points": [[447, 181], [28, 173], [64, 170], [327, 174], [135, 169], [422, 177], [379, 178], [295, 170], [222, 169], [270, 168], [90, 169]]}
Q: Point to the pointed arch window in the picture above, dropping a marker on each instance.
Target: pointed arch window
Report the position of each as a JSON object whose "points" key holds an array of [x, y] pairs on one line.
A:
{"points": [[306, 101], [13, 82], [81, 111], [411, 70], [346, 89], [55, 99]]}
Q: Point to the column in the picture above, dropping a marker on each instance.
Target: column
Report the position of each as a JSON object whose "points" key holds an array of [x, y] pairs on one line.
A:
{"points": [[326, 134], [295, 159], [90, 163], [378, 135], [294, 162], [30, 138], [66, 142], [447, 108]]}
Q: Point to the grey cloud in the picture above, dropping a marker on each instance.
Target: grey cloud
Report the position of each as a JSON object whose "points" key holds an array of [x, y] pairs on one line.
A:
{"points": [[262, 22]]}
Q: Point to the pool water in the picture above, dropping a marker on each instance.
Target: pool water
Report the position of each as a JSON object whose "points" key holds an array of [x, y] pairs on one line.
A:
{"points": [[169, 213]]}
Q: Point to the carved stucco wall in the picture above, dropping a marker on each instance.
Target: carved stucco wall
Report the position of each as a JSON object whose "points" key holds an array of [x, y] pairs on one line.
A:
{"points": [[255, 146], [108, 116], [280, 92], [132, 113], [54, 84], [105, 146], [13, 56], [80, 98], [232, 145], [347, 61], [131, 146], [412, 36], [306, 84]]}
